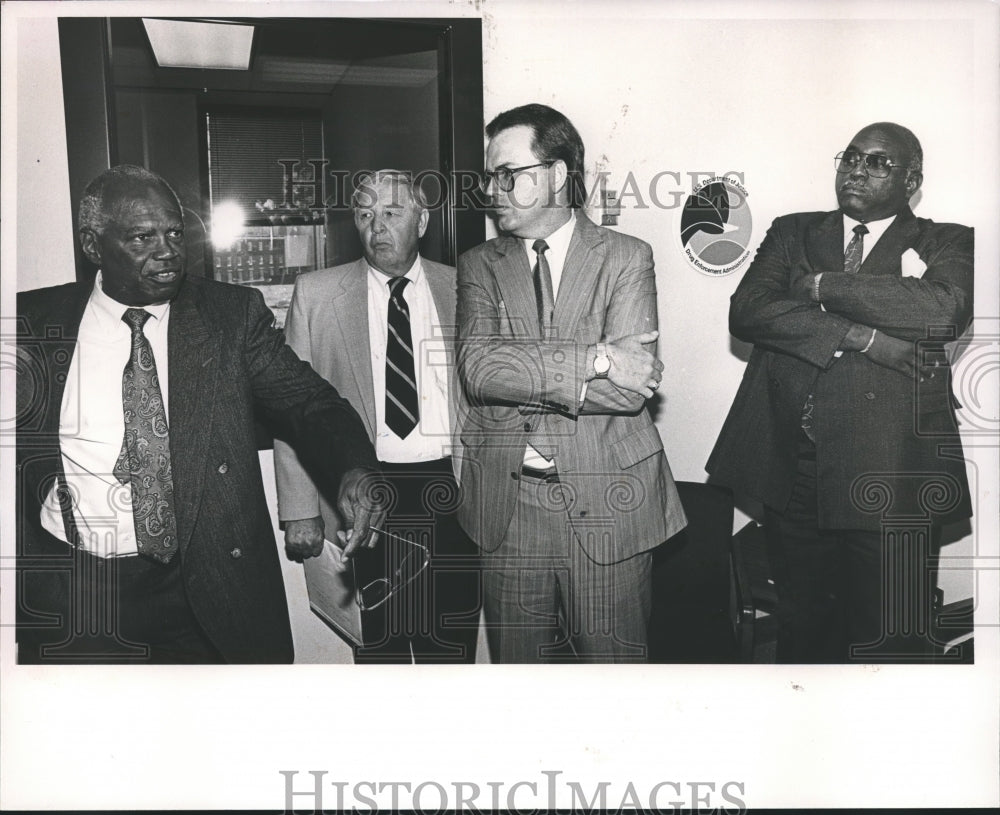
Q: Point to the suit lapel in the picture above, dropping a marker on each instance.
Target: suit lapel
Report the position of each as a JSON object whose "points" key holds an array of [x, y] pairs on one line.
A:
{"points": [[194, 354], [350, 305], [64, 316], [824, 243], [580, 270], [517, 289], [884, 257]]}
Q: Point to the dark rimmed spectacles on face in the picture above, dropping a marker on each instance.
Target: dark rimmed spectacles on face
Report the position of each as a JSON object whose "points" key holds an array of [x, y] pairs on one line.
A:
{"points": [[876, 165], [414, 558], [503, 177]]}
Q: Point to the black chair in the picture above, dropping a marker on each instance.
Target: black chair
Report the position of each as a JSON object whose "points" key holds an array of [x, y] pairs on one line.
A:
{"points": [[690, 620], [753, 596]]}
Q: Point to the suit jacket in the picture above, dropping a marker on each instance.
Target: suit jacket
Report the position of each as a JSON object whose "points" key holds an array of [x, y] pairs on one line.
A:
{"points": [[608, 451], [327, 326], [885, 442], [226, 360]]}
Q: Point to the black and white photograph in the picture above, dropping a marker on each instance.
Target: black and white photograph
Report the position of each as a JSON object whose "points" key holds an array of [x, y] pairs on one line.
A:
{"points": [[629, 370]]}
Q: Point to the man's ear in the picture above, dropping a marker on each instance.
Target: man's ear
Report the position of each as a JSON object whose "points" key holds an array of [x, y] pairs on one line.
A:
{"points": [[914, 178], [91, 246], [560, 175], [425, 217]]}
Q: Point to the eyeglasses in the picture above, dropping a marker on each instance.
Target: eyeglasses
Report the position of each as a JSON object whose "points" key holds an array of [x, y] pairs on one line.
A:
{"points": [[503, 177], [413, 559], [876, 166]]}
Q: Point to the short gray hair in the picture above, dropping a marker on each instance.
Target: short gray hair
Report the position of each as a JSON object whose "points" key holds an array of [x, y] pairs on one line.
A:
{"points": [[92, 214], [404, 177]]}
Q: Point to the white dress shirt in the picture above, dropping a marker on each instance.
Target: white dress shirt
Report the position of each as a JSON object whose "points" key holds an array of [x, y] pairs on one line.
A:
{"points": [[92, 425], [876, 229], [431, 438], [558, 243]]}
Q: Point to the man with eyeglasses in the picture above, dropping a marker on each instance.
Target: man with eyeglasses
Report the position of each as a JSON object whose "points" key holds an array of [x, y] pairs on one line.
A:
{"points": [[381, 330], [567, 488], [844, 425]]}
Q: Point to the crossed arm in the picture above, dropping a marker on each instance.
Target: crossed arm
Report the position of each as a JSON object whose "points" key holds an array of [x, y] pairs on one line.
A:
{"points": [[782, 306], [499, 368]]}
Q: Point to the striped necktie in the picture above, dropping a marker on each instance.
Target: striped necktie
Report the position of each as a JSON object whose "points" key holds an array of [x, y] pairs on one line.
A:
{"points": [[402, 408]]}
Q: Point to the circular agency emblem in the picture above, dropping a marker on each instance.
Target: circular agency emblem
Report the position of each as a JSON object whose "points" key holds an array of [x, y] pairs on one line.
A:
{"points": [[716, 226]]}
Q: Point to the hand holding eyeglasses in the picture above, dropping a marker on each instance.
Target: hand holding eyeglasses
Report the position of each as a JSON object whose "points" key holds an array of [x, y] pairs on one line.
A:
{"points": [[361, 506]]}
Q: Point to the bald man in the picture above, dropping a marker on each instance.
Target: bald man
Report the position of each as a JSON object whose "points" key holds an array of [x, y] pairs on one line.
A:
{"points": [[844, 425]]}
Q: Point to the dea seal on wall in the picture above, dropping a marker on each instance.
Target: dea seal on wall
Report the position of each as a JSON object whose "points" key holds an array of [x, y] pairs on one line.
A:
{"points": [[716, 226]]}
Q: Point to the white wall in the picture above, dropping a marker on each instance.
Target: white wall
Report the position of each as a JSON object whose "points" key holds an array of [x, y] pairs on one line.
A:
{"points": [[43, 215]]}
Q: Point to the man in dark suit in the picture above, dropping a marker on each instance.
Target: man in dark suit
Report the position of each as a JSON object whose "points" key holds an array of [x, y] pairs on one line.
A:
{"points": [[844, 425], [566, 485], [143, 531], [382, 331]]}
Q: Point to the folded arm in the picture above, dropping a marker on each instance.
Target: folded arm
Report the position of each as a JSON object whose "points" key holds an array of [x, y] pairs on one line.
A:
{"points": [[631, 329], [763, 310], [905, 307]]}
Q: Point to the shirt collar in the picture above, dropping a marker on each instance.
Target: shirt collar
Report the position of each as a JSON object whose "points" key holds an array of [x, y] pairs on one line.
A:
{"points": [[109, 311], [876, 229], [558, 241], [414, 273]]}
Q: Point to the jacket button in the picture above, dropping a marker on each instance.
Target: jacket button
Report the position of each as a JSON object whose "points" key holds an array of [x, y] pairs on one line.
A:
{"points": [[223, 468], [869, 396], [236, 553], [514, 475], [775, 384], [527, 427], [583, 513]]}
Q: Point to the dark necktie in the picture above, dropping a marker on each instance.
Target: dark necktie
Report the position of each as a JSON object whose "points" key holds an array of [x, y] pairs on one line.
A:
{"points": [[543, 287], [852, 263], [402, 409], [144, 460], [855, 249]]}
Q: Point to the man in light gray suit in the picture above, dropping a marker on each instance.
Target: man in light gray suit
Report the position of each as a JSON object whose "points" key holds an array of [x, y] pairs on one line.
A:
{"points": [[382, 328], [566, 485]]}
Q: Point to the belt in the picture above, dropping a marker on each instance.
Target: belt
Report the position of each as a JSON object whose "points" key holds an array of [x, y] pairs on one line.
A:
{"points": [[539, 475]]}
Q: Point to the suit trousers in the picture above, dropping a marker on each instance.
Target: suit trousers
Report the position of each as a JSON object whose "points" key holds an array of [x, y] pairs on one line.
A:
{"points": [[847, 595], [434, 618], [546, 600], [109, 610]]}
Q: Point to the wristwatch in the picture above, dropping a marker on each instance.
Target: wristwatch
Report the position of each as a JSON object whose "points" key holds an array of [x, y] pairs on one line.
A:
{"points": [[602, 362]]}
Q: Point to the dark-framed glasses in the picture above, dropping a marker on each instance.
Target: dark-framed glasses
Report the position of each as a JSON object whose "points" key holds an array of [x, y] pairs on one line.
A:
{"points": [[503, 177], [877, 166], [408, 558]]}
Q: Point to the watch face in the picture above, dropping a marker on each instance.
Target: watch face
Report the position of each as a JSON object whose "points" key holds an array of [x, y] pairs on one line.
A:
{"points": [[602, 364]]}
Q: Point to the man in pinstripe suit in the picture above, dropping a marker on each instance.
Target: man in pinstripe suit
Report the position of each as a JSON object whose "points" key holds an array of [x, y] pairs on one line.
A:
{"points": [[566, 485]]}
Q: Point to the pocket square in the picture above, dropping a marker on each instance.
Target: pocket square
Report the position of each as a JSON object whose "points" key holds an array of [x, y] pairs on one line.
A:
{"points": [[912, 265]]}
